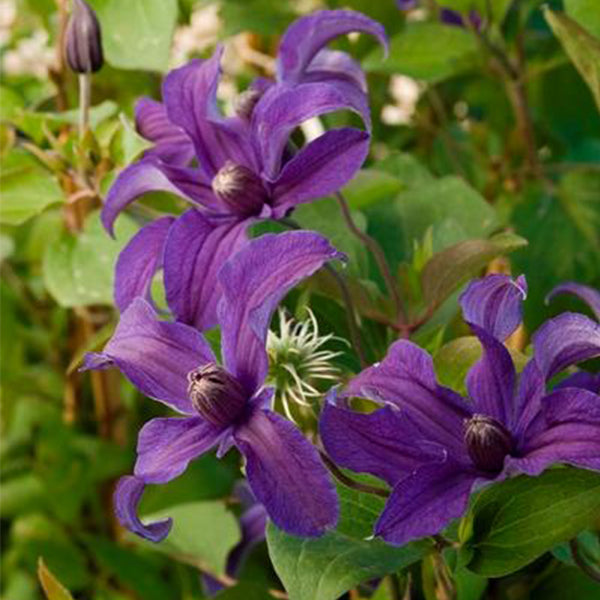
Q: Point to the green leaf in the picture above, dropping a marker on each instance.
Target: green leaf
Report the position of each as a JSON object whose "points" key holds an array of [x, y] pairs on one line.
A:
{"points": [[428, 51], [326, 567], [244, 591], [136, 572], [27, 189], [259, 16], [449, 269], [566, 582], [516, 521], [52, 587], [453, 361], [370, 186], [450, 207], [579, 193], [406, 168], [582, 47], [203, 534], [586, 13], [78, 271], [137, 34]]}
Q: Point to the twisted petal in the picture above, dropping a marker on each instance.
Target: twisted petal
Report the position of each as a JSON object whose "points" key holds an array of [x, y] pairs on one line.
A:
{"points": [[333, 64], [383, 443], [286, 475], [406, 379], [189, 94], [172, 143], [565, 340], [150, 175], [571, 434], [126, 499], [253, 282], [139, 261], [495, 303], [154, 355], [308, 35], [491, 380], [283, 108], [196, 249], [582, 380], [166, 446], [425, 502], [589, 295], [321, 168]]}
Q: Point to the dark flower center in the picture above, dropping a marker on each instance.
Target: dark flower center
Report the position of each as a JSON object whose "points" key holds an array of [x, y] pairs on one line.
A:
{"points": [[244, 103], [216, 394], [488, 442], [240, 189]]}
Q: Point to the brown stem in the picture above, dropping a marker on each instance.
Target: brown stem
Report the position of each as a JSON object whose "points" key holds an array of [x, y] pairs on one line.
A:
{"points": [[351, 483], [581, 563], [59, 75], [378, 255]]}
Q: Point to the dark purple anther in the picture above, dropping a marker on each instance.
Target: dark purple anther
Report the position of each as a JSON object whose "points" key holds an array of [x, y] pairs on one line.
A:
{"points": [[488, 443], [216, 395], [83, 39], [240, 189]]}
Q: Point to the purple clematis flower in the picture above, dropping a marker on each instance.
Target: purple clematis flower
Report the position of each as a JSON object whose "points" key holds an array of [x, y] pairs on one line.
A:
{"points": [[435, 448], [224, 406], [245, 167]]}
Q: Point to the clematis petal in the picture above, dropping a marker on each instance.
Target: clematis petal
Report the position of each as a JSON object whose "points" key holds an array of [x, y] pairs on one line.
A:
{"points": [[571, 433], [283, 108], [425, 502], [564, 341], [333, 64], [321, 168], [127, 496], [172, 143], [286, 475], [195, 251], [154, 355], [150, 175], [166, 446], [383, 443], [495, 303], [530, 391], [253, 283], [189, 93], [406, 379], [491, 380], [139, 261], [582, 380], [306, 36], [589, 295]]}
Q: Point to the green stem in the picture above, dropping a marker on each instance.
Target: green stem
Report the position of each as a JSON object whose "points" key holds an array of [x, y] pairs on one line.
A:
{"points": [[378, 255]]}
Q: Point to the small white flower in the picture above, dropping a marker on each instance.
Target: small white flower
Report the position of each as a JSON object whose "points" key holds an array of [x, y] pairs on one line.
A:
{"points": [[405, 91], [297, 361]]}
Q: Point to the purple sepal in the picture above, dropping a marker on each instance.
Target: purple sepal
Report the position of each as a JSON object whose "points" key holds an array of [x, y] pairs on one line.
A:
{"points": [[127, 496], [139, 261], [495, 303], [565, 340], [287, 476], [306, 36], [253, 282], [589, 295]]}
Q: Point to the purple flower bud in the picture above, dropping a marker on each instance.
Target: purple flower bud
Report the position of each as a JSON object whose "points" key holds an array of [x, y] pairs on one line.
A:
{"points": [[488, 442], [216, 394], [83, 39], [244, 103], [240, 189]]}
